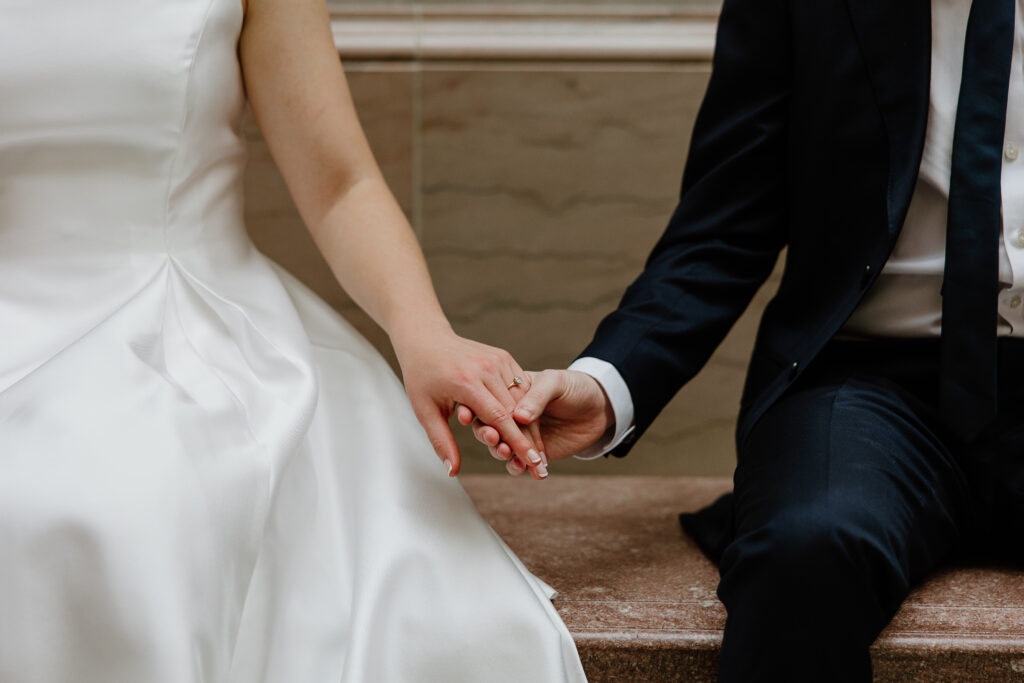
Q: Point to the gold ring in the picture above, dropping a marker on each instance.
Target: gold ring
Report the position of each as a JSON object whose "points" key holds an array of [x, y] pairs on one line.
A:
{"points": [[516, 381]]}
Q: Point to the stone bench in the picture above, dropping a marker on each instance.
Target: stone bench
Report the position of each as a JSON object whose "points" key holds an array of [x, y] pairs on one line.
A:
{"points": [[639, 597]]}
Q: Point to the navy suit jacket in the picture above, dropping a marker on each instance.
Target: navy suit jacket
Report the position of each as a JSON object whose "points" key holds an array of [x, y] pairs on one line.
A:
{"points": [[810, 137]]}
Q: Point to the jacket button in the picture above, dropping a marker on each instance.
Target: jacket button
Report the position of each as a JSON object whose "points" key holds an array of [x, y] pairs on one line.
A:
{"points": [[794, 370]]}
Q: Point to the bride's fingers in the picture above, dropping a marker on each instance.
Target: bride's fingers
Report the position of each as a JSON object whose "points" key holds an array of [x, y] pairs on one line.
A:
{"points": [[490, 431], [490, 438], [520, 381], [440, 435], [520, 388], [493, 412], [498, 449], [515, 467], [485, 434], [464, 415], [532, 431], [502, 452]]}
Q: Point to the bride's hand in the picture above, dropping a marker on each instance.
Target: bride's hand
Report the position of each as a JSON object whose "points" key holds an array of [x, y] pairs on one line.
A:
{"points": [[442, 370]]}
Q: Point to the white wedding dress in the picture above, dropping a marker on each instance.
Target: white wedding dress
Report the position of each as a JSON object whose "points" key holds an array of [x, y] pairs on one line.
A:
{"points": [[205, 473]]}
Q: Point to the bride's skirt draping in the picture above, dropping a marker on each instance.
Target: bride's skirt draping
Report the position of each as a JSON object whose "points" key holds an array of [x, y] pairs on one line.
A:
{"points": [[189, 491]]}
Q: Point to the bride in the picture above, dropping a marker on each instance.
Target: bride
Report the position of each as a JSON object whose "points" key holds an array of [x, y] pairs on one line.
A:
{"points": [[205, 473]]}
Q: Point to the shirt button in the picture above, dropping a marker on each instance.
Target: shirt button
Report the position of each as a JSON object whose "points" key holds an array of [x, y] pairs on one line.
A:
{"points": [[1015, 301], [1011, 151], [1019, 239]]}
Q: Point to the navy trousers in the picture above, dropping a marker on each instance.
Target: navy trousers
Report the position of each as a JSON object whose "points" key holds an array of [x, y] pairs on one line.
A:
{"points": [[849, 491]]}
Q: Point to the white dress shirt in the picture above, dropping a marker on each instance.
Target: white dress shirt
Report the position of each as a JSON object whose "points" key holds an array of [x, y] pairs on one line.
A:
{"points": [[905, 300]]}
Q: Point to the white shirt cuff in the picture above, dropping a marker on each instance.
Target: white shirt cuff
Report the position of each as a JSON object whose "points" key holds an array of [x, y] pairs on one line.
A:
{"points": [[617, 391]]}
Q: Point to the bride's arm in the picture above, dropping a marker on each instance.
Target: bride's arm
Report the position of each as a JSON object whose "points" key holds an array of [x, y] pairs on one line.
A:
{"points": [[299, 95]]}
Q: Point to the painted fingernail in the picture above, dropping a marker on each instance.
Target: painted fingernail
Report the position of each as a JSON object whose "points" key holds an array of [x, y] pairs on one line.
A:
{"points": [[541, 470], [534, 457]]}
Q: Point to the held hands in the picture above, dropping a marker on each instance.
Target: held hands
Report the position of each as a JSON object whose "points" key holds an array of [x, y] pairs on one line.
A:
{"points": [[442, 371], [569, 410]]}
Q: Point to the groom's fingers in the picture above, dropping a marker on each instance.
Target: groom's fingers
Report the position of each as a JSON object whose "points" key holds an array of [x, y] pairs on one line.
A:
{"points": [[490, 411], [546, 387], [490, 437], [501, 451], [497, 445]]}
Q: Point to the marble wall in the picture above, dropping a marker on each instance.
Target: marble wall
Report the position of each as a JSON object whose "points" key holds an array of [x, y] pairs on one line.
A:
{"points": [[537, 189]]}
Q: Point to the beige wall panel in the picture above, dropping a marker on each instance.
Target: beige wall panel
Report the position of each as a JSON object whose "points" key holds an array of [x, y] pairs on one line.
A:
{"points": [[384, 98], [555, 162]]}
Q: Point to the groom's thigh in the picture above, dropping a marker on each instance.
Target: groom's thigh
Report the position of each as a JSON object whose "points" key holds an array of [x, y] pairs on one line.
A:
{"points": [[843, 486]]}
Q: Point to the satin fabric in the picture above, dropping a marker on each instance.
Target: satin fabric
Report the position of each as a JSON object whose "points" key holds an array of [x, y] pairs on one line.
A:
{"points": [[205, 473]]}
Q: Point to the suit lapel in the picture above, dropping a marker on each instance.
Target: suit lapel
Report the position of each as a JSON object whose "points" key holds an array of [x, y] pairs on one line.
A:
{"points": [[895, 40]]}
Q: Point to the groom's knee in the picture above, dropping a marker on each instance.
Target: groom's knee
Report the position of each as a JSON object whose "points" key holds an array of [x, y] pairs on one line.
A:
{"points": [[812, 558]]}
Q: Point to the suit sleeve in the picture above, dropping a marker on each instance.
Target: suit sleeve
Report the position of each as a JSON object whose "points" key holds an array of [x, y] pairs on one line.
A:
{"points": [[725, 235]]}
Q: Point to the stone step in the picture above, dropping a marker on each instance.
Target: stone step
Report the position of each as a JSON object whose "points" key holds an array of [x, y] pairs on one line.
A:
{"points": [[639, 597]]}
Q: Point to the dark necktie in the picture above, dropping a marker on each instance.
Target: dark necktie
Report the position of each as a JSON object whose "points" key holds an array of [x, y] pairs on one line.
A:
{"points": [[971, 282]]}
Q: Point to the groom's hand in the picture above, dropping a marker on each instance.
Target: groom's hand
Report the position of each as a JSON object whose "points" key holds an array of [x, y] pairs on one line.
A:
{"points": [[570, 408]]}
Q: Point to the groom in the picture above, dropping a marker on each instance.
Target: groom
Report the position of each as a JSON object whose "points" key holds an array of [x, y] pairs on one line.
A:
{"points": [[878, 141]]}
